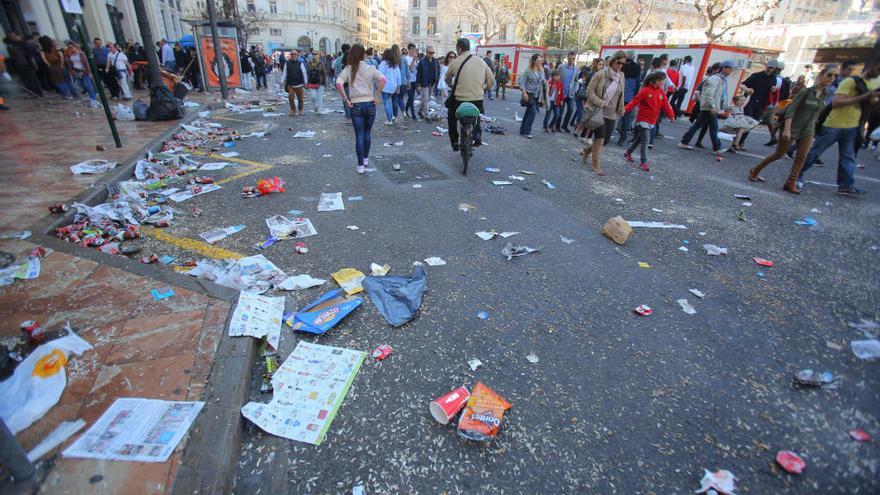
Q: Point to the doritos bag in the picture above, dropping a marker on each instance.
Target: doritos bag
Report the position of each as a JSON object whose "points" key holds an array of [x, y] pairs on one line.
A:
{"points": [[481, 418]]}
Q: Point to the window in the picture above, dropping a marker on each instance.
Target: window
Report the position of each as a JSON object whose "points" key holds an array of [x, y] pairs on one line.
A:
{"points": [[416, 3], [275, 31], [415, 24], [301, 8], [273, 7], [432, 26], [251, 7], [432, 4]]}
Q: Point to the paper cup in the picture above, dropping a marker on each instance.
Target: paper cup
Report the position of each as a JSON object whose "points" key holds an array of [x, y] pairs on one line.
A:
{"points": [[446, 407]]}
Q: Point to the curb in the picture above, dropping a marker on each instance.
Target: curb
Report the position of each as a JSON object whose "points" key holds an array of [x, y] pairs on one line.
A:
{"points": [[208, 461]]}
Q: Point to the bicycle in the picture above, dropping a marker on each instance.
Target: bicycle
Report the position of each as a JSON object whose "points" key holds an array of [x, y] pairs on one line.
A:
{"points": [[467, 115]]}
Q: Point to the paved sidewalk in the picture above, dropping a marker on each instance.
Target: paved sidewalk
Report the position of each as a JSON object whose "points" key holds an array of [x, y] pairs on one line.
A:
{"points": [[142, 347]]}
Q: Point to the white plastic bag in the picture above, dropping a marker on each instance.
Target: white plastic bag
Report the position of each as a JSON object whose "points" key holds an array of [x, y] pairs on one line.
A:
{"points": [[123, 112], [38, 382]]}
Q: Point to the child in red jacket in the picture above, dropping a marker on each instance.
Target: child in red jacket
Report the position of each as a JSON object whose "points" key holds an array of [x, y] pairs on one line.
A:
{"points": [[555, 102], [650, 100]]}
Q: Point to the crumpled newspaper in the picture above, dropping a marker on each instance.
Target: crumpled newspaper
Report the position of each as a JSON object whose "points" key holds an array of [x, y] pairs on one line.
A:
{"points": [[92, 167], [512, 251], [253, 274]]}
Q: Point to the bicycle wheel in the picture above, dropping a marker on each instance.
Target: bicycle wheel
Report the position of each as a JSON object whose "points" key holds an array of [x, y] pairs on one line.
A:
{"points": [[467, 144]]}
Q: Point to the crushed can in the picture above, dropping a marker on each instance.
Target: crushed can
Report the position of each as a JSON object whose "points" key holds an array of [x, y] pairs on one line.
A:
{"points": [[33, 331], [38, 252], [204, 180], [149, 260], [301, 248], [643, 310], [162, 224], [382, 352], [58, 208]]}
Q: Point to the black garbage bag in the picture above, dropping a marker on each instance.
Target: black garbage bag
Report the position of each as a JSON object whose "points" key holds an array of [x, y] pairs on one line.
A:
{"points": [[163, 105], [181, 89], [397, 298], [140, 110]]}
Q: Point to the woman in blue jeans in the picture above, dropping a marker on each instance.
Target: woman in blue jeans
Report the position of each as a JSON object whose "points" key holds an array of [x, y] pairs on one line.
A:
{"points": [[363, 80], [390, 69], [531, 85]]}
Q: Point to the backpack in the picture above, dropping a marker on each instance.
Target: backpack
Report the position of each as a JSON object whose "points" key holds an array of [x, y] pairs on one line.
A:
{"points": [[314, 74]]}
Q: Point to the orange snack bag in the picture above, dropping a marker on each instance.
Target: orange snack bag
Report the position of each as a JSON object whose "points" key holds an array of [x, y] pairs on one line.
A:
{"points": [[481, 418]]}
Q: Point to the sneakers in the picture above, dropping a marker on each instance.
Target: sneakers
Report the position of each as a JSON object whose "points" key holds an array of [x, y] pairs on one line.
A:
{"points": [[529, 136], [699, 145], [360, 169], [685, 146], [388, 122], [644, 166], [850, 191], [628, 156], [650, 146], [818, 162], [772, 142]]}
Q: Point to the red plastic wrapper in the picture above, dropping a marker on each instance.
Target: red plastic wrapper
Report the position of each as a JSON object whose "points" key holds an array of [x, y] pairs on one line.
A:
{"points": [[860, 435], [382, 352], [791, 462], [268, 186], [762, 262], [481, 418], [643, 310]]}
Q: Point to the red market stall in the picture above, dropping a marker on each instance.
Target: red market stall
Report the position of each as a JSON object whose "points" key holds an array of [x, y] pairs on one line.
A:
{"points": [[515, 56], [703, 56]]}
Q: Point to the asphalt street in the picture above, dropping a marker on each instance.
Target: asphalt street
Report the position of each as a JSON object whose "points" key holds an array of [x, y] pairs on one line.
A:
{"points": [[617, 403]]}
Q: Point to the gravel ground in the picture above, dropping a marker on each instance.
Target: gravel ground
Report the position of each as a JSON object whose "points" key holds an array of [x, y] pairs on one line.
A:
{"points": [[617, 403]]}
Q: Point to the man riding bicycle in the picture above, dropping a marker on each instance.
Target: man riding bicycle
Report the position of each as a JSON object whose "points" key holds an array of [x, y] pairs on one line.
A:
{"points": [[470, 86]]}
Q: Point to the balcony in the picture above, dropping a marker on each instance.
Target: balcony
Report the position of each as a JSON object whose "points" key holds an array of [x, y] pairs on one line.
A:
{"points": [[319, 19]]}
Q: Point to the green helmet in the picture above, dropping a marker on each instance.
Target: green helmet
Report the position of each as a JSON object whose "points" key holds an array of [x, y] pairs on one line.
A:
{"points": [[467, 109]]}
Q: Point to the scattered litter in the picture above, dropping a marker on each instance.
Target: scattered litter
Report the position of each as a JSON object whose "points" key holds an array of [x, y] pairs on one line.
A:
{"points": [[216, 235], [762, 262], [548, 184], [283, 228], [481, 419], [744, 197], [397, 298], [566, 239], [377, 270], [461, 207], [656, 210], [683, 249], [526, 172], [857, 434], [309, 388], [866, 349], [435, 261], [809, 378], [355, 198], [833, 345], [532, 358], [324, 313], [815, 210], [353, 227], [516, 177], [300, 282], [55, 438], [512, 251], [488, 235], [445, 407], [618, 230], [305, 134], [790, 461], [92, 167], [193, 191], [417, 186], [474, 364], [254, 273], [20, 235], [741, 216], [760, 274], [807, 221], [167, 259], [721, 481], [350, 280], [642, 264], [686, 306], [656, 225], [38, 382], [502, 183], [397, 143], [697, 293], [295, 213], [492, 170], [713, 250], [135, 429], [257, 316], [382, 352], [229, 154], [483, 315], [643, 310], [214, 166], [163, 294], [270, 185]]}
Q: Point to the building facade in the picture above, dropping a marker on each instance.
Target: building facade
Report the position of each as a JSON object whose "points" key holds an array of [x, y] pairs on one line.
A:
{"points": [[112, 20]]}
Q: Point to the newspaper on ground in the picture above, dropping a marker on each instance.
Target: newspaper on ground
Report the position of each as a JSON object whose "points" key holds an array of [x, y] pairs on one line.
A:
{"points": [[330, 202], [92, 167], [217, 235], [135, 429], [254, 273], [214, 166], [305, 134], [186, 194], [258, 316], [282, 227], [308, 390], [229, 154]]}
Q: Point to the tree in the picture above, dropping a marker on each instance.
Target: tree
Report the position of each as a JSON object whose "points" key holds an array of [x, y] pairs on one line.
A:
{"points": [[247, 22], [630, 18], [723, 15]]}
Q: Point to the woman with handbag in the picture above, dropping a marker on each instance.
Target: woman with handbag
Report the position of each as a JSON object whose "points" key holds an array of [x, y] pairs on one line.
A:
{"points": [[604, 105], [531, 85]]}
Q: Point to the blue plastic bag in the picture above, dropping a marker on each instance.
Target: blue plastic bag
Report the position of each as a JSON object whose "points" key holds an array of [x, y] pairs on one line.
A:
{"points": [[397, 298], [323, 314]]}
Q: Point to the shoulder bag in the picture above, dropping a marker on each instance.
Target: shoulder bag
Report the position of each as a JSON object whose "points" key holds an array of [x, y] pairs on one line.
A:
{"points": [[450, 100]]}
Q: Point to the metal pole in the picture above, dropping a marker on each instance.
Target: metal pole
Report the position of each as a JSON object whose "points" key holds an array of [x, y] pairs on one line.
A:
{"points": [[218, 50], [13, 457], [96, 80], [140, 11]]}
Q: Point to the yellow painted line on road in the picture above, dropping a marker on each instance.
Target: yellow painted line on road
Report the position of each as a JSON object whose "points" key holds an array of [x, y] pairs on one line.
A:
{"points": [[256, 167], [200, 247], [221, 117]]}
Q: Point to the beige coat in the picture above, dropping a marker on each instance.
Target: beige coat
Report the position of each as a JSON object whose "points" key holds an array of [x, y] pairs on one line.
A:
{"points": [[596, 91]]}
